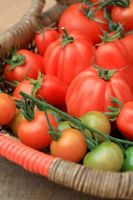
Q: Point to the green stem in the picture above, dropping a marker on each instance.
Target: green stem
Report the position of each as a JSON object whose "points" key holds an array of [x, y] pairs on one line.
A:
{"points": [[75, 121], [66, 38]]}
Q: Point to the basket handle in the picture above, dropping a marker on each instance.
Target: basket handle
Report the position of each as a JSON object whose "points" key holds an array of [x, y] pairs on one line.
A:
{"points": [[23, 31]]}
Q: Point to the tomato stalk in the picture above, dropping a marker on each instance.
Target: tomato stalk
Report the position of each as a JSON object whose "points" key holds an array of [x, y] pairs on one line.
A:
{"points": [[114, 111], [76, 121], [66, 38], [104, 74]]}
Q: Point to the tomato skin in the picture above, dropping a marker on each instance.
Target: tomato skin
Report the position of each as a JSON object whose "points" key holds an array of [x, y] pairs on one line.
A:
{"points": [[34, 133], [123, 16], [65, 62], [24, 86], [71, 145], [107, 156], [44, 39], [53, 91], [128, 42], [125, 120], [114, 55], [16, 122], [98, 121], [32, 64], [73, 18], [7, 108], [94, 94]]}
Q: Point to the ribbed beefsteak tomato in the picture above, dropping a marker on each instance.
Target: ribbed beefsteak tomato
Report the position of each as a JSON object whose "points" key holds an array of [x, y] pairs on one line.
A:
{"points": [[68, 56], [92, 90]]}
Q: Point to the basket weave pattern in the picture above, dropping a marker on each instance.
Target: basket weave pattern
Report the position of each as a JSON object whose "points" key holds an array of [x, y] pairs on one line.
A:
{"points": [[99, 184]]}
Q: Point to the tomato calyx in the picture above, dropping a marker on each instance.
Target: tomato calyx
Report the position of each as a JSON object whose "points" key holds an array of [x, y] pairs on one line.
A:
{"points": [[104, 74], [16, 60], [114, 110], [66, 38]]}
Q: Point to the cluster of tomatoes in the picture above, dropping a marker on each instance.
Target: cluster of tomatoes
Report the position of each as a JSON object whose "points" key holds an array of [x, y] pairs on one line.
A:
{"points": [[84, 69]]}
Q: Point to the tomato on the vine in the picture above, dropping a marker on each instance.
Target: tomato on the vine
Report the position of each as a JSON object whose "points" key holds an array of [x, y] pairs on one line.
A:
{"points": [[34, 133], [70, 146], [107, 156]]}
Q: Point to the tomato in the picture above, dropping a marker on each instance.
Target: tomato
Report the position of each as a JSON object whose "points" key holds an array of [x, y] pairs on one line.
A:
{"points": [[75, 17], [114, 55], [98, 121], [123, 16], [125, 120], [22, 65], [35, 133], [107, 156], [70, 146], [92, 90], [128, 160], [44, 39], [128, 42], [68, 55], [24, 86], [53, 91], [16, 122], [7, 108]]}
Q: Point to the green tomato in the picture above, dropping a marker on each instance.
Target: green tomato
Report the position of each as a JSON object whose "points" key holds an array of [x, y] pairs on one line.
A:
{"points": [[106, 156], [128, 161], [98, 121]]}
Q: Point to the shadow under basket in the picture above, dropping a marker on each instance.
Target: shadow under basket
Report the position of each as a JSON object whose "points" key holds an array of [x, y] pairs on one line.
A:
{"points": [[97, 184]]}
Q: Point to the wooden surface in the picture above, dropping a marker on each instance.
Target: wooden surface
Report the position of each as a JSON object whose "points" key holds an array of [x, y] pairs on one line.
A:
{"points": [[15, 182]]}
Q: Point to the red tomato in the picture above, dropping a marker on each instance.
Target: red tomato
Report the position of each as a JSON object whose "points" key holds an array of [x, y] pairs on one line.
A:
{"points": [[68, 55], [125, 120], [16, 122], [74, 18], [7, 108], [123, 16], [44, 39], [25, 64], [34, 133], [24, 86], [114, 55], [70, 146], [53, 91], [92, 91], [128, 42]]}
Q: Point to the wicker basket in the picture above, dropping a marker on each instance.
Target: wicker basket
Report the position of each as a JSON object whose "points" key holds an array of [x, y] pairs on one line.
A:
{"points": [[98, 184]]}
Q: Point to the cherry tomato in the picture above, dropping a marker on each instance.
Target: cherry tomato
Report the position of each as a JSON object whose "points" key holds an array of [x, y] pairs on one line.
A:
{"points": [[70, 146], [7, 108], [107, 156], [34, 133], [44, 38]]}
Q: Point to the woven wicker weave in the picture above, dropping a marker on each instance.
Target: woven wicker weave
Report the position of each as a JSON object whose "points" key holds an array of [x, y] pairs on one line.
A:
{"points": [[98, 184]]}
